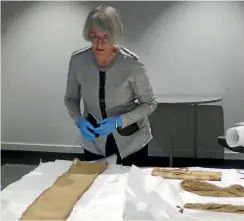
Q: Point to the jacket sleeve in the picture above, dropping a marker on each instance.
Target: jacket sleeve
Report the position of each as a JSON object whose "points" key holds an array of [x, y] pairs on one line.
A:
{"points": [[142, 88], [72, 96]]}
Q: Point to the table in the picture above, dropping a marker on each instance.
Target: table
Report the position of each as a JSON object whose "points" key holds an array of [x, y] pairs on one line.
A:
{"points": [[188, 100], [105, 198]]}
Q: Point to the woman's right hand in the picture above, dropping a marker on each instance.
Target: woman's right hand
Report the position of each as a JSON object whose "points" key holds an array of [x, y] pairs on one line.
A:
{"points": [[86, 129]]}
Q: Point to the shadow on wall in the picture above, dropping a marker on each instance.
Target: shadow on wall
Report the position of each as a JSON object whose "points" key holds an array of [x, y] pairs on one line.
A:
{"points": [[142, 17], [11, 11]]}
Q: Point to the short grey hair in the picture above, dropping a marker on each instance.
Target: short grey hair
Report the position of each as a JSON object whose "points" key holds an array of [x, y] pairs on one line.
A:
{"points": [[105, 18]]}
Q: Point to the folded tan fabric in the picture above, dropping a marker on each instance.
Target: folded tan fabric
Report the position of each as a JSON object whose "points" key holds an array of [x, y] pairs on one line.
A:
{"points": [[228, 208], [57, 202], [186, 174], [202, 188]]}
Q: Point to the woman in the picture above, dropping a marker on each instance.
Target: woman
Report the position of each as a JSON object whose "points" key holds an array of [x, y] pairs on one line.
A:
{"points": [[116, 91]]}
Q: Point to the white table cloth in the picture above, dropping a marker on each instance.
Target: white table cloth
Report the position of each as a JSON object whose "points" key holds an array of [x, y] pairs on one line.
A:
{"points": [[105, 199]]}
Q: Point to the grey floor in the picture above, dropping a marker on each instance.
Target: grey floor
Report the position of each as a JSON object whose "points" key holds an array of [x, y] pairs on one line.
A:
{"points": [[13, 172]]}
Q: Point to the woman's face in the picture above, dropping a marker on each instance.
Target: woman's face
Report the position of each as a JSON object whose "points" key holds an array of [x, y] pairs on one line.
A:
{"points": [[101, 44]]}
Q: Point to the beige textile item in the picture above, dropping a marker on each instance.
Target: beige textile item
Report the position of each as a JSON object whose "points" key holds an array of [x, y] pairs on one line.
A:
{"points": [[228, 208], [202, 188], [57, 202], [186, 174]]}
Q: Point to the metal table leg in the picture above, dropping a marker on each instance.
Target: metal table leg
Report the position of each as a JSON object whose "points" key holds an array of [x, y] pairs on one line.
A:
{"points": [[172, 147], [195, 137]]}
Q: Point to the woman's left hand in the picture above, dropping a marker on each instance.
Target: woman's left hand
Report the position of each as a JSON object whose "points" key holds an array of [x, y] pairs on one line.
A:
{"points": [[108, 125]]}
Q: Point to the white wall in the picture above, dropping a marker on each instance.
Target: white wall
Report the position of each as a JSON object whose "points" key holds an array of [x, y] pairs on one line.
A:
{"points": [[37, 41], [194, 48]]}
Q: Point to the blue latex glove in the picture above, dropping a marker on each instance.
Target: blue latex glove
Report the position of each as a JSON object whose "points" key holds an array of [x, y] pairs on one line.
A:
{"points": [[86, 129], [108, 125]]}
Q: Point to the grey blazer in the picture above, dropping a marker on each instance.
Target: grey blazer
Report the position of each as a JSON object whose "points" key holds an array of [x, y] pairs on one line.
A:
{"points": [[123, 88]]}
